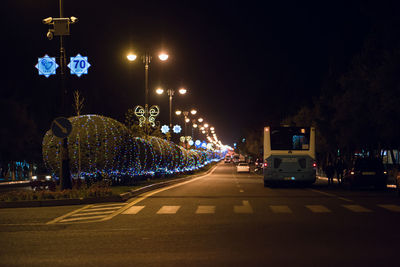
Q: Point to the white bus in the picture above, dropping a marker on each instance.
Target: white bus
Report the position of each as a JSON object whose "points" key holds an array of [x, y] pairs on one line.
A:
{"points": [[289, 155]]}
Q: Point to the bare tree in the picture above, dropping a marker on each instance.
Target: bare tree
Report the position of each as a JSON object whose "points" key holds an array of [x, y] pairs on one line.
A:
{"points": [[78, 105]]}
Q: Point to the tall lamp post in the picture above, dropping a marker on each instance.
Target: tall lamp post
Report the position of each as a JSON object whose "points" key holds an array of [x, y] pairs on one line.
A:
{"points": [[170, 93], [147, 115], [61, 28]]}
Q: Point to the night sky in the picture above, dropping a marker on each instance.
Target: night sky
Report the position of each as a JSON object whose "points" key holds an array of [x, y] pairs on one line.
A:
{"points": [[246, 64]]}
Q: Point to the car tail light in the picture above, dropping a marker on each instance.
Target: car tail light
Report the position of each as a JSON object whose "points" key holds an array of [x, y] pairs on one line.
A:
{"points": [[265, 164], [314, 165]]}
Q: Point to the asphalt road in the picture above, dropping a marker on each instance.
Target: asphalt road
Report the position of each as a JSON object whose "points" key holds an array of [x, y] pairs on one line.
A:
{"points": [[222, 219]]}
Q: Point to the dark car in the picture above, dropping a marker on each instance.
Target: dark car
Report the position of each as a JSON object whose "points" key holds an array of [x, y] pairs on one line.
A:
{"points": [[366, 172]]}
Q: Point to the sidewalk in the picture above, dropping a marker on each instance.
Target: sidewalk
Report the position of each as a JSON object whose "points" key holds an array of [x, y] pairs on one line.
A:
{"points": [[114, 198]]}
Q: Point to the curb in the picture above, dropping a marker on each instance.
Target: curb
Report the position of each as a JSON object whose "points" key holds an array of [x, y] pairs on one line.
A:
{"points": [[121, 198], [61, 202], [136, 192]]}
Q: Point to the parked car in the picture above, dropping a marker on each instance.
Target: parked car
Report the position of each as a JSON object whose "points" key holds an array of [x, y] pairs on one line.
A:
{"points": [[243, 167], [366, 172]]}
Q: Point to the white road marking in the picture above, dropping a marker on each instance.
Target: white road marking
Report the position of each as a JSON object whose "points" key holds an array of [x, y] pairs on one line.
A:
{"points": [[99, 209], [133, 210], [280, 209], [84, 213], [245, 208], [168, 209], [82, 218], [394, 208], [318, 208], [109, 205], [145, 196], [68, 214], [357, 208], [205, 210]]}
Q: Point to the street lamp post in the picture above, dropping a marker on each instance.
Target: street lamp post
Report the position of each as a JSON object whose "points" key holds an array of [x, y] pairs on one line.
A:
{"points": [[186, 120], [61, 28], [147, 115], [170, 93]]}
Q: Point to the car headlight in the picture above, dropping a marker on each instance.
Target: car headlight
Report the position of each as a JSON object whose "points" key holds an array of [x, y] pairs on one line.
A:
{"points": [[48, 177], [34, 177]]}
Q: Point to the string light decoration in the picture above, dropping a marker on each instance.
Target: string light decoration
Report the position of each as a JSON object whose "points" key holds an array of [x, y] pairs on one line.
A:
{"points": [[108, 148]]}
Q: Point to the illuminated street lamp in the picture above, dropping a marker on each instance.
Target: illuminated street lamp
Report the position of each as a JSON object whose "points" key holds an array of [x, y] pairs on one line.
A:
{"points": [[147, 115], [186, 118], [170, 93], [200, 120]]}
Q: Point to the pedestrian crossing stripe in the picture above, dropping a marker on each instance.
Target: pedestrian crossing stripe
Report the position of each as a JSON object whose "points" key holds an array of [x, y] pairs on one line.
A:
{"points": [[357, 208], [84, 213], [93, 213], [280, 209], [245, 208], [318, 208], [168, 210], [205, 210], [133, 210], [394, 208]]}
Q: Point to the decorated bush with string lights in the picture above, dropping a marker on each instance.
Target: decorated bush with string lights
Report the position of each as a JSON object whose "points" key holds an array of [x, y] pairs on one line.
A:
{"points": [[103, 147]]}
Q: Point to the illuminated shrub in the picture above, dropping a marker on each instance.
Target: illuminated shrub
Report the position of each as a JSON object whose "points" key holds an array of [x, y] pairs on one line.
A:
{"points": [[101, 143], [104, 146]]}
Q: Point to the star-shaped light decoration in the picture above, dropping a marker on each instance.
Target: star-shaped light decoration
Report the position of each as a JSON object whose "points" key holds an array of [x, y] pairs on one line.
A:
{"points": [[165, 129], [177, 129]]}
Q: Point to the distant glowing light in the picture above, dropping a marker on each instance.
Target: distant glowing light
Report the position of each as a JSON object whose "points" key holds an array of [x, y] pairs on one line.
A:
{"points": [[206, 125], [163, 56], [187, 120], [195, 125], [200, 120], [131, 57], [193, 112], [182, 91], [191, 142], [197, 143], [159, 91], [178, 112]]}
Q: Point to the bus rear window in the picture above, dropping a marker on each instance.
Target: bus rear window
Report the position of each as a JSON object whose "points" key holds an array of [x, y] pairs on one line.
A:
{"points": [[290, 138]]}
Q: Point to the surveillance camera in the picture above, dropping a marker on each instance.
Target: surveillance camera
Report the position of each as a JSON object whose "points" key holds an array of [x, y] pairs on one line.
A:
{"points": [[73, 20], [49, 35], [47, 20]]}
